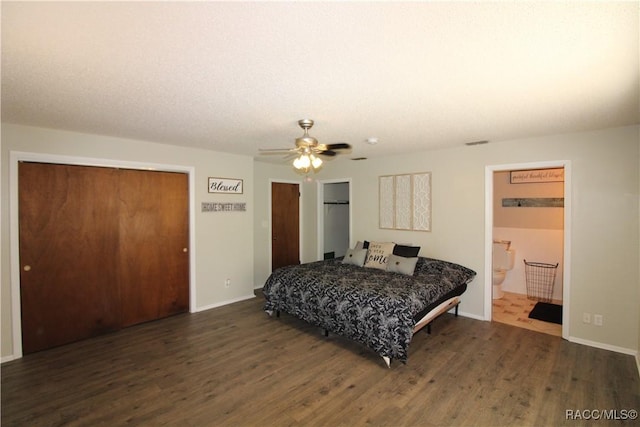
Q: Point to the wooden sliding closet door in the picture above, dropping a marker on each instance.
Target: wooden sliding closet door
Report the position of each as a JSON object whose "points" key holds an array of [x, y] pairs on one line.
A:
{"points": [[100, 249], [68, 236], [154, 238]]}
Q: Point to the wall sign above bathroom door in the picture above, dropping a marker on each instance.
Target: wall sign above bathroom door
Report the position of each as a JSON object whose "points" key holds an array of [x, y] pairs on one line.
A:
{"points": [[537, 175]]}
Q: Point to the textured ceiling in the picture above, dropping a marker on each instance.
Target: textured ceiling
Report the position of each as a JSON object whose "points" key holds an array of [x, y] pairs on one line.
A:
{"points": [[236, 76]]}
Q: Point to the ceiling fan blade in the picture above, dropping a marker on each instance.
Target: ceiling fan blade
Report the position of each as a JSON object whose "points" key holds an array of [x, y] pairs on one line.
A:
{"points": [[338, 146], [290, 156], [277, 150], [328, 153]]}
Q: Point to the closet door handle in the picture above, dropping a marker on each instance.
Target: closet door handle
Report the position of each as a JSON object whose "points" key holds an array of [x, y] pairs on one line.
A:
{"points": [[27, 267], [185, 250]]}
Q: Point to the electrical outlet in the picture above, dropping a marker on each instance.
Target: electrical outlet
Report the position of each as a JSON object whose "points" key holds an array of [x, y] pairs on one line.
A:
{"points": [[227, 283], [597, 319], [586, 317]]}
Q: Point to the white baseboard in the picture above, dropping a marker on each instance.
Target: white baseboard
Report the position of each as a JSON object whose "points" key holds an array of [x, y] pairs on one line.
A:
{"points": [[469, 315], [604, 346], [7, 358], [222, 303]]}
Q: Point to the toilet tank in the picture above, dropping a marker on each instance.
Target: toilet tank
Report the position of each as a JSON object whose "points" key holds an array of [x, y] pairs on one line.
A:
{"points": [[503, 255]]}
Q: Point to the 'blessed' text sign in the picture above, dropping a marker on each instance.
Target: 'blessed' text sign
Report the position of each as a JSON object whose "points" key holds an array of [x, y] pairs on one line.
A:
{"points": [[225, 185]]}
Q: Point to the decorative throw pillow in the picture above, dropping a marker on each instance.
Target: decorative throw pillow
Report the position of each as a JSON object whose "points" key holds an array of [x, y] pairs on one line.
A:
{"points": [[378, 254], [355, 257], [406, 251], [404, 265], [361, 245]]}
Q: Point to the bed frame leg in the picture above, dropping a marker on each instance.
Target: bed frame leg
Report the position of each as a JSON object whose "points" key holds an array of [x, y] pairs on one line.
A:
{"points": [[429, 328], [277, 313], [456, 311], [326, 333], [387, 361]]}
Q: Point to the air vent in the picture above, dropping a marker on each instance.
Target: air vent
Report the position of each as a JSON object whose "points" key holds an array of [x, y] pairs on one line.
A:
{"points": [[359, 158], [476, 143]]}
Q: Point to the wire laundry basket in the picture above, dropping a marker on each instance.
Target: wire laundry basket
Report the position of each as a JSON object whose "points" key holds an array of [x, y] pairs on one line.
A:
{"points": [[540, 278]]}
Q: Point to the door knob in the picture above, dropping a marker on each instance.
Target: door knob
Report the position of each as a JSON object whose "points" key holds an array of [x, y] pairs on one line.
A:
{"points": [[185, 250], [27, 268]]}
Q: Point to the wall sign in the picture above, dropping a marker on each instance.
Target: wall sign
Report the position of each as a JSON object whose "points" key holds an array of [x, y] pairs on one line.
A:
{"points": [[537, 175], [224, 207], [225, 185]]}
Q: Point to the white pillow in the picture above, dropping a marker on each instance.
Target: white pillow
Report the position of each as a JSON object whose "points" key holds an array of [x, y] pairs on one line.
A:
{"points": [[378, 254], [398, 264], [355, 257]]}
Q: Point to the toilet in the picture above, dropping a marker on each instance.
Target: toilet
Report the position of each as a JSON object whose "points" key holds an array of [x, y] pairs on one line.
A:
{"points": [[502, 261]]}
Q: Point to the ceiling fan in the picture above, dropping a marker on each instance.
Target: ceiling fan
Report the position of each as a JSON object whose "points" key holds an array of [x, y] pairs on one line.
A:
{"points": [[308, 150]]}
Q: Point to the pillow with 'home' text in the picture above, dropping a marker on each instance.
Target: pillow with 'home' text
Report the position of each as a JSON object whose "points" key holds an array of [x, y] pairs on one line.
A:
{"points": [[378, 254]]}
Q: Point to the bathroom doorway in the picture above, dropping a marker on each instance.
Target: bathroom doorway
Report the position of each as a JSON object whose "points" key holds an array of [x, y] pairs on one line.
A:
{"points": [[528, 223]]}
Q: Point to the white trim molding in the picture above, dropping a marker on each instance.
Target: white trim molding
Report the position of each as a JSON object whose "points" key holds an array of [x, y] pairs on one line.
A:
{"points": [[604, 346], [223, 303], [566, 278]]}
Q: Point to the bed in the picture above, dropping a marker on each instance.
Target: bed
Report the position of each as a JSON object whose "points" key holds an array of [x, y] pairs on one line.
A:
{"points": [[379, 308]]}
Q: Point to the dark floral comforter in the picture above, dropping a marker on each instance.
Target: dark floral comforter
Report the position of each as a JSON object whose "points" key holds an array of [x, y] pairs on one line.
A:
{"points": [[371, 306]]}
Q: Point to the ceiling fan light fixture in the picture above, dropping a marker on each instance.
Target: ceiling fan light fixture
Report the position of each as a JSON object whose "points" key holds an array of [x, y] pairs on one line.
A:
{"points": [[307, 162], [301, 162], [316, 162]]}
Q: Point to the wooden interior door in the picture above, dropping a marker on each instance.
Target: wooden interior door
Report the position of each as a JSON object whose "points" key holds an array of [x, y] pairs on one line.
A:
{"points": [[68, 235], [285, 224], [153, 259]]}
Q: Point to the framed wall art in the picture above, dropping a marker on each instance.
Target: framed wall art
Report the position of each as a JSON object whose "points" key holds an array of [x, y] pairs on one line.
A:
{"points": [[405, 201]]}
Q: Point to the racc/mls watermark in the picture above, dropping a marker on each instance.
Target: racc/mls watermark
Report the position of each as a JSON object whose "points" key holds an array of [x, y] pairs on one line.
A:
{"points": [[601, 414]]}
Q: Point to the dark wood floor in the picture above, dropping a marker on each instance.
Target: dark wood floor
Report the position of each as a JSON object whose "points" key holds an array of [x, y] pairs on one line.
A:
{"points": [[235, 366]]}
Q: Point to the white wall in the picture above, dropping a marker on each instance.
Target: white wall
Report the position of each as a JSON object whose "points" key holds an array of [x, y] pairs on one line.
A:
{"points": [[604, 246], [223, 240]]}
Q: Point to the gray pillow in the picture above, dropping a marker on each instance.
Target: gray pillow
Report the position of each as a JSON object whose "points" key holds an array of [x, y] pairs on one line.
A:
{"points": [[355, 257], [398, 264], [362, 245]]}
